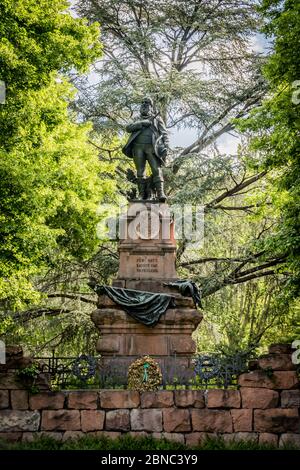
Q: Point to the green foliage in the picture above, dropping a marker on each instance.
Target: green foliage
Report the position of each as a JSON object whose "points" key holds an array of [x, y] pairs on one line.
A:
{"points": [[244, 306], [50, 175], [38, 37], [127, 442], [29, 372], [29, 375], [275, 129], [49, 195]]}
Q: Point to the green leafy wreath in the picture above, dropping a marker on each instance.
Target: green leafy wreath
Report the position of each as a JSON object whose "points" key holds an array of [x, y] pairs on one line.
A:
{"points": [[144, 374]]}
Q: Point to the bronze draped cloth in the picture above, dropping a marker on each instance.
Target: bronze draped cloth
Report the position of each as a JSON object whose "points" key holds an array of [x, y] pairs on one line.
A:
{"points": [[187, 288], [145, 307]]}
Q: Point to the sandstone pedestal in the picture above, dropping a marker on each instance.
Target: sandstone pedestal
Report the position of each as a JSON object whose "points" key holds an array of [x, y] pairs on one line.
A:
{"points": [[147, 261], [147, 246], [123, 339]]}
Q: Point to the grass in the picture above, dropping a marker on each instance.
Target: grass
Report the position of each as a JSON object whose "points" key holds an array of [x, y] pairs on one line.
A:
{"points": [[127, 442]]}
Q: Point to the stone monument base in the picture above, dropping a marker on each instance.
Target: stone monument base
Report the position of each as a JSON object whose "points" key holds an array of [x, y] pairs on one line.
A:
{"points": [[148, 285], [147, 250], [123, 339]]}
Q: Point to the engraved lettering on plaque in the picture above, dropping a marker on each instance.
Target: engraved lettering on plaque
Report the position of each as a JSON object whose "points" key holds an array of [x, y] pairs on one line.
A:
{"points": [[146, 264]]}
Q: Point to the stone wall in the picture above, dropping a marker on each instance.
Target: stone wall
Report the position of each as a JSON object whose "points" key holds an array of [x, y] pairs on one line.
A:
{"points": [[265, 409]]}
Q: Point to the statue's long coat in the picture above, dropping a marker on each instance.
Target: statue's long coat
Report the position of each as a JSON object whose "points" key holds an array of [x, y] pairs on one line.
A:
{"points": [[159, 136]]}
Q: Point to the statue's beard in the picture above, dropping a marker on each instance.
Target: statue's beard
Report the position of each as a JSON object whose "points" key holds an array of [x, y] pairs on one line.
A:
{"points": [[146, 114]]}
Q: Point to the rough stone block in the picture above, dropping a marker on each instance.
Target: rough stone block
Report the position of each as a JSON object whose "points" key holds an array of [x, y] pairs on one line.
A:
{"points": [[211, 420], [119, 399], [54, 435], [281, 380], [9, 381], [92, 420], [255, 379], [11, 436], [4, 399], [117, 420], [109, 434], [14, 420], [223, 399], [29, 436], [104, 434], [161, 399], [242, 420], [186, 398], [47, 401], [138, 434], [174, 437], [19, 399], [259, 398], [290, 439], [60, 420], [176, 420], [72, 435], [290, 399], [276, 362], [240, 437], [285, 380], [105, 301], [276, 420], [83, 400], [268, 439], [197, 438], [146, 420]]}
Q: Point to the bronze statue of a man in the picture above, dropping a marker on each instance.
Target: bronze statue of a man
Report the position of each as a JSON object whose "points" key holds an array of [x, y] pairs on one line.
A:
{"points": [[148, 143]]}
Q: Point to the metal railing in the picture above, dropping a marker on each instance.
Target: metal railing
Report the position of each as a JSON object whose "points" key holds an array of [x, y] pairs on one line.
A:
{"points": [[71, 372], [200, 372]]}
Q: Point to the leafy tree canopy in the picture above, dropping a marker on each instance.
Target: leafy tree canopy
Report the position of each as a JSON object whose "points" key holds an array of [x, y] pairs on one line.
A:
{"points": [[39, 37], [50, 176], [274, 129]]}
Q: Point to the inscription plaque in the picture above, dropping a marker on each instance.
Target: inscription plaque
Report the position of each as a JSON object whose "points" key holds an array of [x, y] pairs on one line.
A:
{"points": [[147, 264]]}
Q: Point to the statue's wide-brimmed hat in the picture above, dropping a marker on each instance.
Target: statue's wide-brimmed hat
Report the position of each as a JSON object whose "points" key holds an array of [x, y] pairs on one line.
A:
{"points": [[147, 100]]}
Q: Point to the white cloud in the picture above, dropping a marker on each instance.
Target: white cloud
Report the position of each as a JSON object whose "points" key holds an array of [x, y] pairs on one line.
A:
{"points": [[228, 143], [260, 44]]}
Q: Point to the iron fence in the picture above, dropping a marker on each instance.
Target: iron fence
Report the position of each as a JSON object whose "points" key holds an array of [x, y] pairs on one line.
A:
{"points": [[71, 372], [200, 372]]}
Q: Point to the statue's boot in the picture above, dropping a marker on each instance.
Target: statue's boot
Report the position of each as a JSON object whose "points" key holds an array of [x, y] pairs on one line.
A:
{"points": [[142, 187], [159, 186]]}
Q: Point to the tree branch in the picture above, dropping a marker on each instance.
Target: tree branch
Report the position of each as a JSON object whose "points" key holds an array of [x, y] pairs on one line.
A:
{"points": [[213, 259], [73, 297], [32, 314], [237, 276], [235, 190]]}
